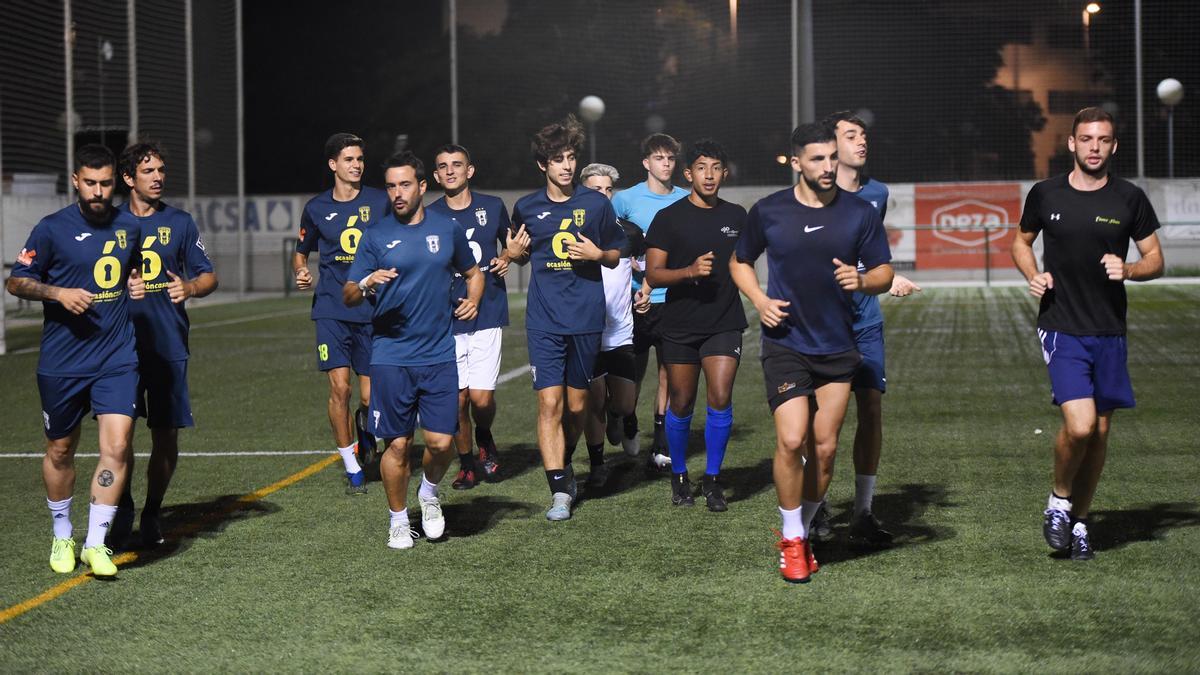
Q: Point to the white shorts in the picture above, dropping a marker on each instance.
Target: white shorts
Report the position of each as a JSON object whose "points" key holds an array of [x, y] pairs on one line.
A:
{"points": [[478, 356]]}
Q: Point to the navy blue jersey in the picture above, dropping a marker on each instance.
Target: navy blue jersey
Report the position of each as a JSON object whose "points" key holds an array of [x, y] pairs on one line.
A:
{"points": [[866, 307], [335, 229], [68, 251], [411, 314], [801, 243], [170, 243], [485, 223], [566, 297]]}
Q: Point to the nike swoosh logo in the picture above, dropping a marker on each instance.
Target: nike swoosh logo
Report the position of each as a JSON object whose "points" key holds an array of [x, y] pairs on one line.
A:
{"points": [[331, 216], [559, 476], [83, 236], [393, 244], [543, 214], [808, 229]]}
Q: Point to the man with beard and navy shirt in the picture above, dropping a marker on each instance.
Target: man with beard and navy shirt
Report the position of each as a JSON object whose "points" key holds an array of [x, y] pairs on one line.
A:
{"points": [[82, 263]]}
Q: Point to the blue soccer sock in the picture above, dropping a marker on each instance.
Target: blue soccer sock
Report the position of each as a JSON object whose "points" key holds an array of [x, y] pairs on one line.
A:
{"points": [[677, 430], [717, 427]]}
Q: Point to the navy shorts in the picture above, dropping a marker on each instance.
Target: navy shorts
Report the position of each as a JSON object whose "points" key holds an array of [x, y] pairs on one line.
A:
{"points": [[556, 360], [789, 374], [400, 393], [870, 375], [343, 344], [162, 396], [693, 349], [66, 399], [1087, 366]]}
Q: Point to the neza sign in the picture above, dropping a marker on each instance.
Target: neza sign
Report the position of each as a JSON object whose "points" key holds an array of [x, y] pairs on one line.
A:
{"points": [[968, 224]]}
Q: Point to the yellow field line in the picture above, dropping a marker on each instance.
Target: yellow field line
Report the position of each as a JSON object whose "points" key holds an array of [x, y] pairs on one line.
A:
{"points": [[131, 556]]}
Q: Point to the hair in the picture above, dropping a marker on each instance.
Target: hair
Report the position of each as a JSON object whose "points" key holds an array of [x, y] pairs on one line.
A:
{"points": [[341, 141], [705, 147], [598, 169], [1093, 114], [450, 149], [554, 139], [406, 158], [812, 132], [832, 119], [655, 142], [135, 154], [94, 156]]}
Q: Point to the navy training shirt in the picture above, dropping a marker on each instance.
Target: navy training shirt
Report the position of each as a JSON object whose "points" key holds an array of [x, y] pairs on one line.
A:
{"points": [[801, 243], [411, 314], [67, 250], [485, 223], [170, 243], [866, 307], [335, 229], [566, 297]]}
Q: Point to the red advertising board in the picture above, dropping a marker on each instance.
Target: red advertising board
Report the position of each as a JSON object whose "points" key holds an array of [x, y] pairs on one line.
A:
{"points": [[970, 223]]}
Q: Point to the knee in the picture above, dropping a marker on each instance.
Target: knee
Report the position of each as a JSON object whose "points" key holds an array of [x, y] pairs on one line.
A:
{"points": [[58, 453], [681, 408], [577, 406], [339, 392], [1079, 431], [719, 399]]}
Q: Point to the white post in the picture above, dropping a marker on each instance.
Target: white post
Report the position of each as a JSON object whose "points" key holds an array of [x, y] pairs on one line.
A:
{"points": [[795, 70], [3, 255], [131, 30], [808, 96], [241, 155], [190, 78], [1138, 86], [453, 71], [69, 77]]}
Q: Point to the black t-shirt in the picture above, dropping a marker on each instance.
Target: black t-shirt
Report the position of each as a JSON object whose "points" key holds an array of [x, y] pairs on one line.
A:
{"points": [[1079, 228], [685, 231]]}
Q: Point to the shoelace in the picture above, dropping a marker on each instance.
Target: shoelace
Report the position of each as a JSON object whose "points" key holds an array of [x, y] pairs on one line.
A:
{"points": [[395, 531], [431, 511]]}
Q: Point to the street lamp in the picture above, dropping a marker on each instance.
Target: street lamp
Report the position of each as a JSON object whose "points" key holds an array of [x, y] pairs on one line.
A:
{"points": [[1170, 92], [1088, 11], [591, 109]]}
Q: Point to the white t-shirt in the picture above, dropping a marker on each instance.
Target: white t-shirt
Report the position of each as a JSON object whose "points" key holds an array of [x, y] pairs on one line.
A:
{"points": [[618, 305]]}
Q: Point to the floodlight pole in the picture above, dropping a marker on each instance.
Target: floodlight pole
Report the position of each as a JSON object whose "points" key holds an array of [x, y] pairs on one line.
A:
{"points": [[1138, 87], [241, 153], [131, 38], [453, 71], [190, 85], [69, 77]]}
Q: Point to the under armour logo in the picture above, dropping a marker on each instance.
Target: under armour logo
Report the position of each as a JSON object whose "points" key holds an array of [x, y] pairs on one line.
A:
{"points": [[1055, 216]]}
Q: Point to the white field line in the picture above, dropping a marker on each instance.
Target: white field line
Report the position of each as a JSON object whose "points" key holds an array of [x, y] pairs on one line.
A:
{"points": [[248, 453], [512, 374]]}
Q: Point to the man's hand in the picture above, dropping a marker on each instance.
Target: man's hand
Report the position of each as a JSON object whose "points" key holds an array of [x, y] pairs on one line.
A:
{"points": [[641, 300], [635, 265], [701, 267], [498, 266], [902, 286], [770, 311], [516, 243], [583, 249], [1040, 283], [1114, 267], [77, 300], [303, 279], [379, 278], [847, 276], [466, 310], [136, 284], [178, 289]]}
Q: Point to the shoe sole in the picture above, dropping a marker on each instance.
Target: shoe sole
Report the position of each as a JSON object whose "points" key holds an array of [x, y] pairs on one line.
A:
{"points": [[716, 508], [805, 580]]}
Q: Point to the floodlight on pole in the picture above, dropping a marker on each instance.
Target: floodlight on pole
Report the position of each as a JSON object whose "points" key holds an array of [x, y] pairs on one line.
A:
{"points": [[591, 109], [1170, 92]]}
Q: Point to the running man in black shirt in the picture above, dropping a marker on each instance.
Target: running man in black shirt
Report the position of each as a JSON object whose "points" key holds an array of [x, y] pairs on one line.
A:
{"points": [[1088, 218], [702, 318]]}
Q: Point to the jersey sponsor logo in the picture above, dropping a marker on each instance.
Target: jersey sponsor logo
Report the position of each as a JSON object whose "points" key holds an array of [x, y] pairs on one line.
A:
{"points": [[433, 242], [1055, 216], [164, 235], [1107, 221], [82, 236], [331, 216], [785, 387], [121, 239], [542, 215], [580, 216], [810, 228], [26, 256], [481, 216], [200, 245], [729, 231], [364, 213], [392, 243]]}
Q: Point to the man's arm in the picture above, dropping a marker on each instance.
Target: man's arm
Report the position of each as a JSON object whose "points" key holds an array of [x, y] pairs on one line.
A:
{"points": [[1149, 267], [770, 311], [876, 280], [659, 275], [354, 292], [300, 270], [468, 307], [1026, 262], [76, 300], [180, 289], [585, 249]]}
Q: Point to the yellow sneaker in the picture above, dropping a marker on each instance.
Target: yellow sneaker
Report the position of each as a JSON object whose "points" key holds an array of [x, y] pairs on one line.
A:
{"points": [[62, 555], [97, 557]]}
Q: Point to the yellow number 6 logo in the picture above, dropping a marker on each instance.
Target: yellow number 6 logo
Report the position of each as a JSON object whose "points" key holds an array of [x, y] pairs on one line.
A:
{"points": [[107, 271], [151, 261]]}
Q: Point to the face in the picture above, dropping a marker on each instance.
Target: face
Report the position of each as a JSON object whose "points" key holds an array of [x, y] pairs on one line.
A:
{"points": [[817, 165], [706, 176], [404, 191], [560, 169], [95, 188], [601, 184], [348, 167], [851, 144], [661, 165], [147, 181], [1093, 144], [452, 170]]}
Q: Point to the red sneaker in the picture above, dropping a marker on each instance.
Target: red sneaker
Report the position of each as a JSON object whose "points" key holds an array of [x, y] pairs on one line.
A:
{"points": [[465, 480], [813, 567], [793, 559]]}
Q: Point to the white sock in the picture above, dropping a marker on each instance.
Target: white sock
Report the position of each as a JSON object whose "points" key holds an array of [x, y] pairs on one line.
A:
{"points": [[793, 524], [808, 510], [1058, 503], [1080, 529], [398, 517], [428, 490], [864, 493], [60, 511], [349, 459], [100, 517]]}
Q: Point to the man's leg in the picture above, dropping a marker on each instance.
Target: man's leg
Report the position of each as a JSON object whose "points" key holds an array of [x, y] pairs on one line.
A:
{"points": [[58, 473], [719, 374], [366, 440], [394, 473], [868, 443], [483, 414], [682, 382], [1070, 450], [831, 402], [468, 472], [1087, 477], [595, 421], [439, 450], [343, 428], [107, 483], [164, 457], [660, 455]]}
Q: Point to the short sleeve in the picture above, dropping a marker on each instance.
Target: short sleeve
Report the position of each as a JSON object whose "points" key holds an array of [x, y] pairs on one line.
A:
{"points": [[873, 249], [1031, 215], [751, 241], [502, 230], [35, 258], [1145, 220], [365, 259], [659, 234], [611, 234], [309, 234], [464, 258], [620, 204], [195, 258], [887, 196]]}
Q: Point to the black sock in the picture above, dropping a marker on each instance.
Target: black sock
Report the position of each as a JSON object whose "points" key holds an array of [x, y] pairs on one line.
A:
{"points": [[557, 480], [569, 455], [466, 461], [596, 454], [152, 507], [631, 425], [483, 437], [126, 501], [660, 432]]}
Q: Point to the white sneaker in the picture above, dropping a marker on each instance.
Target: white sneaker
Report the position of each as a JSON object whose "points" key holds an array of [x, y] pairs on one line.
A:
{"points": [[432, 520], [401, 536], [631, 446], [661, 461], [560, 508]]}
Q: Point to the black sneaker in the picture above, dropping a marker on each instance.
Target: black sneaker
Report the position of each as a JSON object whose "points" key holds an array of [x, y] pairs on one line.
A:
{"points": [[1057, 529], [597, 477], [681, 490], [613, 430], [465, 480], [714, 496], [821, 529], [489, 462], [572, 484], [865, 530], [122, 524], [152, 535], [368, 451], [1081, 546]]}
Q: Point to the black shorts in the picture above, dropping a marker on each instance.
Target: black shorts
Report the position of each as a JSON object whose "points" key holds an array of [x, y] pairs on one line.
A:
{"points": [[647, 330], [692, 349], [789, 374], [617, 362]]}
